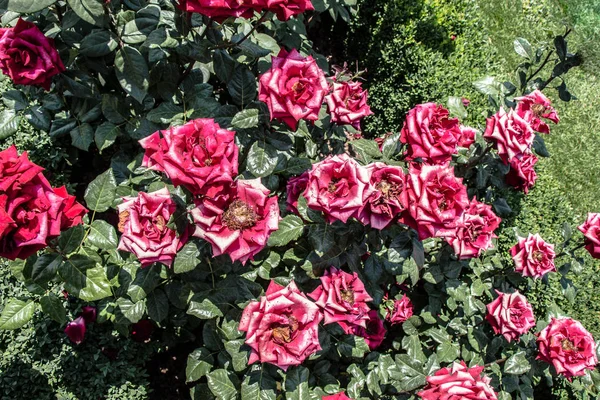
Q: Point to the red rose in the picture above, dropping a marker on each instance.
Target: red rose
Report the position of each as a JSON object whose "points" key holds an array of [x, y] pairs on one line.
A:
{"points": [[89, 314], [219, 9], [143, 223], [295, 187], [27, 56], [430, 134], [522, 175], [467, 136], [337, 186], [343, 299], [512, 135], [400, 311], [347, 103], [282, 327], [591, 232], [32, 212], [293, 88], [568, 346], [337, 396], [510, 315], [474, 230], [237, 219], [287, 8], [193, 155], [533, 257], [436, 200], [386, 198], [374, 331], [75, 330], [535, 106], [458, 382]]}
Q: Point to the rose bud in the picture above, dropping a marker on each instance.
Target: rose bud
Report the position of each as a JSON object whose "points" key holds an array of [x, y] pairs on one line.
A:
{"points": [[75, 330], [89, 314]]}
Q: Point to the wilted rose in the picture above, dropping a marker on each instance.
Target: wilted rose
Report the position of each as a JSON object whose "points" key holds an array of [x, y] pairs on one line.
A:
{"points": [[510, 315], [533, 256], [282, 328]]}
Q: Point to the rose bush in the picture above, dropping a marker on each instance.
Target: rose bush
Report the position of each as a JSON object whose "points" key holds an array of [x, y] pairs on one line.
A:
{"points": [[243, 214]]}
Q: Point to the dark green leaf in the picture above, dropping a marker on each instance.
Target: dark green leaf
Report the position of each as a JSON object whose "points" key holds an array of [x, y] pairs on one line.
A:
{"points": [[157, 305], [502, 208], [114, 109], [224, 65], [53, 307], [561, 47], [91, 11], [258, 385], [321, 237], [187, 258], [199, 363], [105, 135], [84, 278], [16, 313], [290, 228], [245, 119], [100, 193], [45, 268], [61, 127], [262, 159], [98, 44], [132, 72], [242, 85], [82, 136], [15, 100], [132, 311], [70, 240], [38, 118], [366, 150], [517, 364], [103, 235], [540, 146], [165, 113], [28, 6], [146, 279]]}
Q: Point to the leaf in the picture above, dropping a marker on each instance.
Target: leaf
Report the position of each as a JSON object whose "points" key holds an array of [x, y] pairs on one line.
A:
{"points": [[487, 85], [561, 47], [523, 48], [540, 146], [502, 208], [517, 364], [290, 229], [38, 118], [262, 159], [204, 309], [242, 85], [259, 385], [102, 235], [447, 352], [456, 107], [70, 240], [366, 150], [53, 307], [157, 305], [239, 358], [82, 136], [245, 119], [61, 127], [223, 385], [146, 279], [98, 44], [45, 267], [187, 258], [84, 278], [132, 311], [296, 384], [132, 72], [105, 135], [224, 65], [15, 100], [321, 237], [410, 376], [91, 11], [28, 6], [199, 363], [165, 113], [16, 313], [100, 193]]}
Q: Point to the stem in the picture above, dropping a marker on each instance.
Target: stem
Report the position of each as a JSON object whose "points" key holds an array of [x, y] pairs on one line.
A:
{"points": [[500, 361], [59, 14], [480, 157], [566, 252], [541, 66], [212, 274]]}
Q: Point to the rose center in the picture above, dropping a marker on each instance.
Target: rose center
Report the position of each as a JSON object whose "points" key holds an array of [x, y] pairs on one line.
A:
{"points": [[538, 256], [123, 217], [538, 109], [566, 344], [239, 216], [347, 295], [332, 185], [298, 87], [284, 333], [160, 223]]}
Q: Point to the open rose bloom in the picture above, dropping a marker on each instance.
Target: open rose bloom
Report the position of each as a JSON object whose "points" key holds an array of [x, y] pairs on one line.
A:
{"points": [[591, 233], [373, 332], [511, 134], [343, 299], [534, 108], [143, 223], [400, 311], [533, 257], [32, 212], [337, 396], [222, 9], [458, 382], [27, 56], [474, 231], [193, 155], [347, 103], [568, 346], [293, 88], [522, 175], [237, 219], [282, 327], [510, 315]]}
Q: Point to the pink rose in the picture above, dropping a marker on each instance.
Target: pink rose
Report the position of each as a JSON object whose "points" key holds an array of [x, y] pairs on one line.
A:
{"points": [[336, 186], [143, 223], [591, 232], [510, 315], [193, 155], [347, 103], [295, 187], [337, 396], [430, 134], [436, 199], [535, 106], [401, 310], [75, 330], [89, 314], [566, 345], [533, 257], [474, 230], [386, 198], [512, 135], [293, 88], [522, 175], [343, 299], [374, 331], [458, 382], [219, 9], [32, 212], [237, 219], [27, 56], [282, 327], [467, 136], [286, 8]]}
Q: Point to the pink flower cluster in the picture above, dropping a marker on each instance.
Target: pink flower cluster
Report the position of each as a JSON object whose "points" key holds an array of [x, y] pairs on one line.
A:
{"points": [[223, 9], [513, 133]]}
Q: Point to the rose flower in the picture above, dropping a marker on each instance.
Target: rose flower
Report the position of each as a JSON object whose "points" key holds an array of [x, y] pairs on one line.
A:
{"points": [[293, 88], [347, 103], [533, 256], [336, 186], [522, 175], [337, 396], [75, 330], [219, 9], [295, 187], [458, 382], [387, 198], [237, 219], [343, 299], [27, 56], [193, 155], [143, 223], [512, 135], [568, 346], [535, 106], [400, 311], [591, 232], [282, 327], [430, 134], [467, 136], [510, 315], [374, 331], [285, 8]]}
